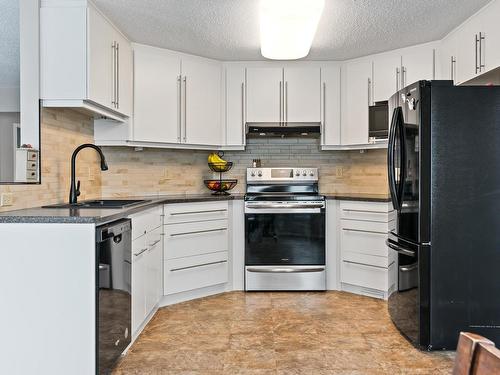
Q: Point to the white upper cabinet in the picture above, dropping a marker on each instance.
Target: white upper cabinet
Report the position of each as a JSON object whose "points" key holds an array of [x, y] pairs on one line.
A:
{"points": [[386, 76], [302, 92], [330, 105], [157, 75], [490, 58], [356, 97], [85, 61], [201, 101], [417, 63], [235, 107], [264, 94], [448, 58]]}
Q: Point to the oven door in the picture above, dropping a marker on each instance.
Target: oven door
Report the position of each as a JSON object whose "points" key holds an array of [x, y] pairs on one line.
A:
{"points": [[285, 233]]}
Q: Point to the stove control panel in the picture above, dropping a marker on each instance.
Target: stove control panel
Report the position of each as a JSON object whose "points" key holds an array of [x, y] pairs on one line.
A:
{"points": [[282, 174]]}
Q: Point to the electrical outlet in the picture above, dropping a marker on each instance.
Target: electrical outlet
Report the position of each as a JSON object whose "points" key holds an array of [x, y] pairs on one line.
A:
{"points": [[7, 199], [339, 171]]}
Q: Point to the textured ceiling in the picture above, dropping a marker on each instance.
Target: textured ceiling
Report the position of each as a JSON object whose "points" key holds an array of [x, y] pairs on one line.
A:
{"points": [[9, 43], [229, 29]]}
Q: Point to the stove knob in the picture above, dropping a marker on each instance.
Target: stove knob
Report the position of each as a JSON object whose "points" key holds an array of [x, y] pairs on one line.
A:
{"points": [[259, 173], [304, 173], [297, 173], [311, 173], [252, 174]]}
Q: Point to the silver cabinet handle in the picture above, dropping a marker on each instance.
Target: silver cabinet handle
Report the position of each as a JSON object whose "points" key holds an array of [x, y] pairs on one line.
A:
{"points": [[179, 108], [363, 211], [403, 77], [365, 265], [113, 51], [318, 205], [285, 269], [476, 46], [154, 243], [481, 62], [369, 92], [197, 212], [117, 79], [281, 123], [198, 232], [198, 265], [451, 68], [185, 108], [285, 99], [397, 79], [362, 231], [140, 252], [323, 130], [243, 113]]}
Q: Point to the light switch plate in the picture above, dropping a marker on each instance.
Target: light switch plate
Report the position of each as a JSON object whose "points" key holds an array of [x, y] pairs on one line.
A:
{"points": [[339, 171], [7, 199]]}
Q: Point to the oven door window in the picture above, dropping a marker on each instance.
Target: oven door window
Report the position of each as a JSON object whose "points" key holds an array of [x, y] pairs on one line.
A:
{"points": [[285, 239]]}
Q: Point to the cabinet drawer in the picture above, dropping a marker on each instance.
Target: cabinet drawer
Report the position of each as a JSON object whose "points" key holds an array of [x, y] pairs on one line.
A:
{"points": [[188, 239], [364, 275], [370, 260], [144, 222], [32, 155], [189, 212], [367, 211], [195, 272], [363, 241]]}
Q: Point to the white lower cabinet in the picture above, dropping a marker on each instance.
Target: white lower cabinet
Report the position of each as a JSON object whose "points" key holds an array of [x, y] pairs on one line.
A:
{"points": [[147, 264], [196, 246], [365, 261]]}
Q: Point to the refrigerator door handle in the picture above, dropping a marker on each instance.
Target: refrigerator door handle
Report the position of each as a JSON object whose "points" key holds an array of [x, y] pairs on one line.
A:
{"points": [[402, 150], [390, 159], [394, 246]]}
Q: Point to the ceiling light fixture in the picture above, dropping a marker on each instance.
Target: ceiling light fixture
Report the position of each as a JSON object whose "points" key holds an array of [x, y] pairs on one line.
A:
{"points": [[287, 27]]}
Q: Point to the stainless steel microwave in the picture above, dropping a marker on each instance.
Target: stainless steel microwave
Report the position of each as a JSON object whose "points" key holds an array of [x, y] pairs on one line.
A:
{"points": [[378, 121]]}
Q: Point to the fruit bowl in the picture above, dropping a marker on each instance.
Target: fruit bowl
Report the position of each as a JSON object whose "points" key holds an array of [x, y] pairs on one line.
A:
{"points": [[220, 186], [221, 167]]}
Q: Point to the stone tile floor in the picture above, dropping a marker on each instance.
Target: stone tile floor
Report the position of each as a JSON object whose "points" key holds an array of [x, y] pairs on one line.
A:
{"points": [[280, 334]]}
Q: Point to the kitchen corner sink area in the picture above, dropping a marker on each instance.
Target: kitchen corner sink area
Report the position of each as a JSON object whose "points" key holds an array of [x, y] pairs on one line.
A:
{"points": [[101, 203]]}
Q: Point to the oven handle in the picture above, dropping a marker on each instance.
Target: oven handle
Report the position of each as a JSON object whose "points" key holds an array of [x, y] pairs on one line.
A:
{"points": [[250, 210], [286, 269], [305, 205]]}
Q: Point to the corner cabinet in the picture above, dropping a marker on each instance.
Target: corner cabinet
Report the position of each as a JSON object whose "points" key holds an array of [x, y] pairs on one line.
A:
{"points": [[85, 62]]}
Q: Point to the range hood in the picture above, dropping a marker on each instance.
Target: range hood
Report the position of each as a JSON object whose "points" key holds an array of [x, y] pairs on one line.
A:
{"points": [[278, 129]]}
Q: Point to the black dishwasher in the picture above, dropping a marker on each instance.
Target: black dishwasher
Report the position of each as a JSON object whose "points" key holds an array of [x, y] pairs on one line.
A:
{"points": [[113, 293]]}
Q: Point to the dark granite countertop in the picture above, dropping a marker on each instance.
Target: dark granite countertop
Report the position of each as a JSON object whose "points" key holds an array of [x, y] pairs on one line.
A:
{"points": [[105, 215]]}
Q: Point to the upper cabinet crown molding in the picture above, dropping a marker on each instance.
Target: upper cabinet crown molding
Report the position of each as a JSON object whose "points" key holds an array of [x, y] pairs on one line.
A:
{"points": [[85, 61]]}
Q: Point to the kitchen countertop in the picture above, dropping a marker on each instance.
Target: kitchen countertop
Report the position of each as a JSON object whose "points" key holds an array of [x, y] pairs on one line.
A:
{"points": [[105, 215]]}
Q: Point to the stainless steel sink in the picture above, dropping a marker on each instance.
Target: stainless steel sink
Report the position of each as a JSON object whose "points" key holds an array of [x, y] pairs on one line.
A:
{"points": [[101, 203]]}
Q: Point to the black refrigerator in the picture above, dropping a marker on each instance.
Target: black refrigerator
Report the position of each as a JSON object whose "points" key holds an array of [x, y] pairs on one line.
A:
{"points": [[444, 180]]}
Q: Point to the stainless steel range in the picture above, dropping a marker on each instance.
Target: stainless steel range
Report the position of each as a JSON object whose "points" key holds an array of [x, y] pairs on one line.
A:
{"points": [[284, 229]]}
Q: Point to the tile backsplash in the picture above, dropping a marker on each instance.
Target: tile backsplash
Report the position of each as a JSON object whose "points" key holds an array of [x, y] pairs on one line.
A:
{"points": [[62, 131], [156, 171], [159, 171]]}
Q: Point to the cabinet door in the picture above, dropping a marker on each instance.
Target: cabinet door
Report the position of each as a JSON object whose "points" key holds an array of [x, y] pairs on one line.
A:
{"points": [[330, 106], [302, 95], [235, 106], [153, 282], [490, 48], [139, 273], [448, 58], [156, 95], [356, 97], [386, 76], [264, 94], [100, 80], [417, 64], [202, 81], [124, 75]]}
